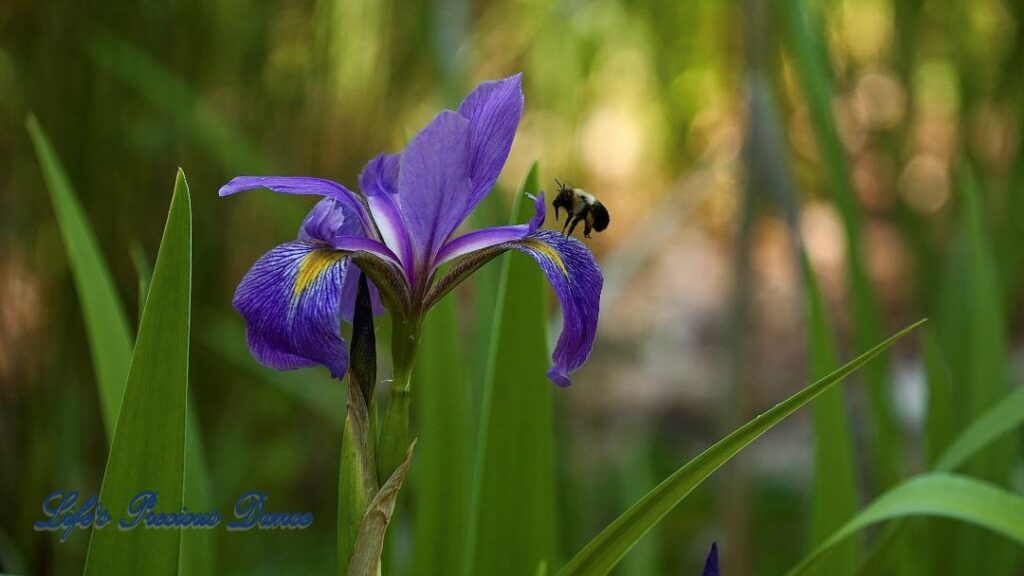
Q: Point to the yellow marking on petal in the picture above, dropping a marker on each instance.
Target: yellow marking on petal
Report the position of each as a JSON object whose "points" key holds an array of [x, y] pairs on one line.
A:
{"points": [[312, 267], [548, 252]]}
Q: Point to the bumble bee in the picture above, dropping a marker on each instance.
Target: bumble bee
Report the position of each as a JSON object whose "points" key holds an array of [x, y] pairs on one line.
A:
{"points": [[580, 205]]}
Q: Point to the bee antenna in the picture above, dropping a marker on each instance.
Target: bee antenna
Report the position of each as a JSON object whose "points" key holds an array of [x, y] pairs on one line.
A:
{"points": [[560, 185]]}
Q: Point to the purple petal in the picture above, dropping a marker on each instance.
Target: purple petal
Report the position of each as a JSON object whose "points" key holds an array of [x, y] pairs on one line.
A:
{"points": [[487, 237], [328, 220], [711, 566], [573, 273], [433, 183], [292, 305], [493, 110], [348, 199], [379, 181]]}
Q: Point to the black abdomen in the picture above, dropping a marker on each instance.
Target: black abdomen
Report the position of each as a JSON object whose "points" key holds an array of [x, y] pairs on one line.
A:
{"points": [[600, 216]]}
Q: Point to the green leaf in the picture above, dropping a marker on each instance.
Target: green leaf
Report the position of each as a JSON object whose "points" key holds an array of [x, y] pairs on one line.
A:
{"points": [[835, 497], [369, 543], [939, 423], [972, 329], [936, 494], [110, 338], [148, 448], [106, 325], [441, 477], [198, 555], [815, 79], [602, 553], [512, 526], [1002, 418]]}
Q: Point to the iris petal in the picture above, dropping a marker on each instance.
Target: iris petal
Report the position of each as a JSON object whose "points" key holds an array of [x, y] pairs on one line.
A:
{"points": [[487, 237], [328, 220], [493, 110], [304, 185], [572, 272], [379, 181], [577, 281], [291, 300], [433, 183]]}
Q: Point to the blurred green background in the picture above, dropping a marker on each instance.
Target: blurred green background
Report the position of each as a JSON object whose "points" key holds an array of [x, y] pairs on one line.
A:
{"points": [[883, 137]]}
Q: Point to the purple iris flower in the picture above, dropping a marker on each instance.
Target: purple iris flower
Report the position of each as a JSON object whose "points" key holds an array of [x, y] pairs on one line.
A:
{"points": [[399, 232]]}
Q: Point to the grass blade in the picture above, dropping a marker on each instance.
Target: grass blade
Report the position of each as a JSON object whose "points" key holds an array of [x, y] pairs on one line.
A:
{"points": [[197, 546], [1000, 420], [148, 448], [937, 494], [512, 526], [835, 497], [602, 553], [106, 325], [997, 422], [441, 476], [973, 334], [939, 424], [815, 80]]}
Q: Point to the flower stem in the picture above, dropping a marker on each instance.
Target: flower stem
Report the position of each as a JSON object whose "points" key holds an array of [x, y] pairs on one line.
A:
{"points": [[394, 430]]}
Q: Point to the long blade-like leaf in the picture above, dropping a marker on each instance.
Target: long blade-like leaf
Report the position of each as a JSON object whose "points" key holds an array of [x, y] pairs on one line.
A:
{"points": [[440, 479], [937, 494], [835, 482], [106, 325], [602, 553], [148, 448], [512, 517], [197, 547], [1005, 416], [998, 421], [811, 58]]}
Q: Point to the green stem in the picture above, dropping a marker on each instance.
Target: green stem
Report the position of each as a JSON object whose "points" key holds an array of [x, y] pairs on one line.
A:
{"points": [[394, 430]]}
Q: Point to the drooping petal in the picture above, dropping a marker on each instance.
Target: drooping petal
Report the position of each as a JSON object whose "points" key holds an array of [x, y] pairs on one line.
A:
{"points": [[573, 273], [379, 182], [291, 302], [493, 110], [479, 239], [711, 566], [304, 185], [433, 183]]}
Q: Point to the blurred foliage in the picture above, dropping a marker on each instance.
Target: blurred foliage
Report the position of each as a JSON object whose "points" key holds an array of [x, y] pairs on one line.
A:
{"points": [[657, 106]]}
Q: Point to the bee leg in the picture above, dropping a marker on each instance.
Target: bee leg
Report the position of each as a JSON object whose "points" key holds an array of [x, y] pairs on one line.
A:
{"points": [[575, 221], [587, 228], [568, 221]]}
